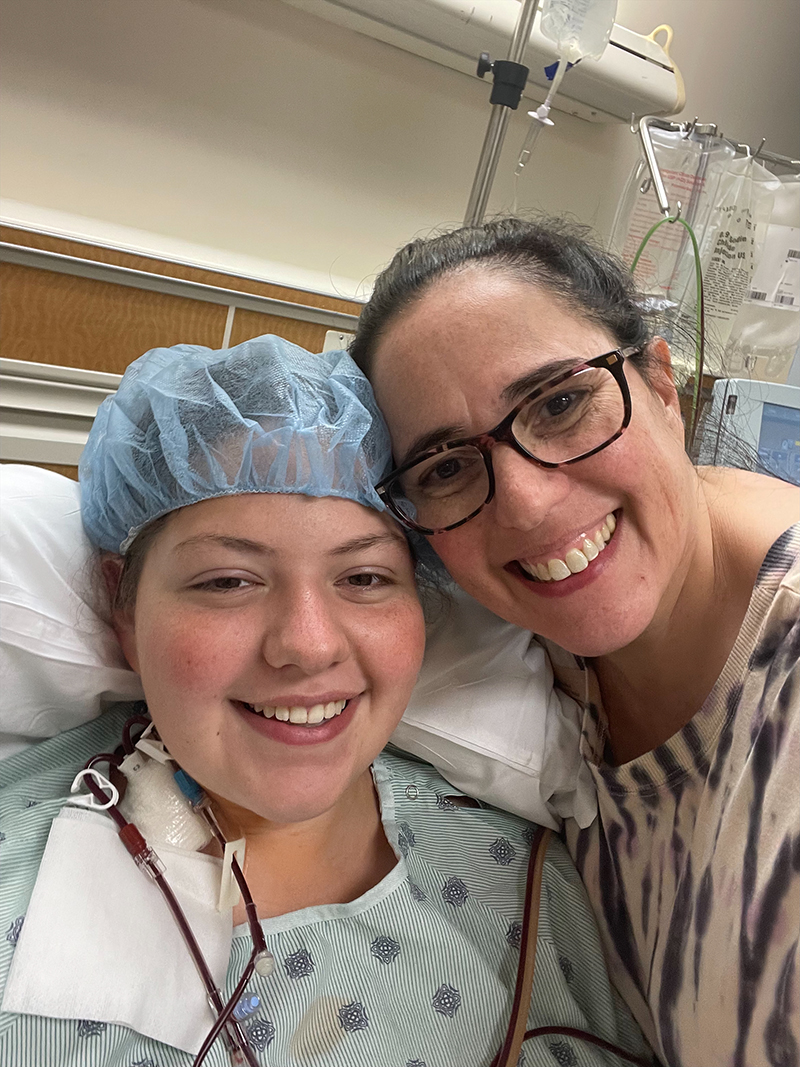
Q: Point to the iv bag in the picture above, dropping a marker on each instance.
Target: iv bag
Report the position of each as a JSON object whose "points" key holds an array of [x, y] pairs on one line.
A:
{"points": [[766, 331], [580, 28], [728, 201]]}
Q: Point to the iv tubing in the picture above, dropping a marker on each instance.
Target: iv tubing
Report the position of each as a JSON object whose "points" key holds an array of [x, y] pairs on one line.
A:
{"points": [[700, 315], [539, 118], [148, 862]]}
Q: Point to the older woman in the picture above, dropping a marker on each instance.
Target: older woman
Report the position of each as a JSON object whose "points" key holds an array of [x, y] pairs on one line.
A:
{"points": [[268, 602], [539, 446]]}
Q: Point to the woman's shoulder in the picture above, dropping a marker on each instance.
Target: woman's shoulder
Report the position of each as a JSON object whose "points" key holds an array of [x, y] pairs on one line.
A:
{"points": [[753, 516]]}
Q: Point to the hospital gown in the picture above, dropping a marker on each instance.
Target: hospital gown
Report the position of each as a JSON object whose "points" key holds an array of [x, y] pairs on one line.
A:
{"points": [[418, 972]]}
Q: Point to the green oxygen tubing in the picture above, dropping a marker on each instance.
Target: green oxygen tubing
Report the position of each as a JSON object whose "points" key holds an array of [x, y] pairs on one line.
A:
{"points": [[700, 316]]}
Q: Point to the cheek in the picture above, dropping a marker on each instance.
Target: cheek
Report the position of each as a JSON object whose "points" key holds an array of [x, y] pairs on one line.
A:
{"points": [[396, 644], [463, 552], [187, 657]]}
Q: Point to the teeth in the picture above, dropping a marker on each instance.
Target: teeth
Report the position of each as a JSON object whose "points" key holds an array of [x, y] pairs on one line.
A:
{"points": [[558, 569], [576, 559], [299, 715], [316, 714]]}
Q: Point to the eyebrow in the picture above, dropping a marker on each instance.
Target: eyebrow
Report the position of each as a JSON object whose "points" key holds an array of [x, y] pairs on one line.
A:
{"points": [[520, 387], [514, 391], [358, 544], [238, 544], [243, 544]]}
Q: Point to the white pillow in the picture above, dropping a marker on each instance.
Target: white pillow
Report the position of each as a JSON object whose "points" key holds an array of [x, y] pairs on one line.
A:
{"points": [[484, 711], [60, 663]]}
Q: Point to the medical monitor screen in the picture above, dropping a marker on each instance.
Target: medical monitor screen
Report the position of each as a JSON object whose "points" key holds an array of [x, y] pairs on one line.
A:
{"points": [[779, 443]]}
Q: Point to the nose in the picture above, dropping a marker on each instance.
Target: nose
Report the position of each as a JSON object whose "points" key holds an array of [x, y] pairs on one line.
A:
{"points": [[524, 491], [304, 631]]}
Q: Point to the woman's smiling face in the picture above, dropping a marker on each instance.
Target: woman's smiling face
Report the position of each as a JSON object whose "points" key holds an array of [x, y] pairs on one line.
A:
{"points": [[449, 362], [248, 606]]}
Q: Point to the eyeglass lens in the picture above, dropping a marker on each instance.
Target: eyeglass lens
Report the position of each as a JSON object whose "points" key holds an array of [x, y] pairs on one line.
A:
{"points": [[561, 424]]}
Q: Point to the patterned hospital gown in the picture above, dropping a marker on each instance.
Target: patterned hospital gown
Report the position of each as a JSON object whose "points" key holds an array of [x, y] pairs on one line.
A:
{"points": [[419, 972], [693, 865]]}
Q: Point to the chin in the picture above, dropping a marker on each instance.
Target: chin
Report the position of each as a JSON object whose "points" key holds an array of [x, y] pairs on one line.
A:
{"points": [[605, 636]]}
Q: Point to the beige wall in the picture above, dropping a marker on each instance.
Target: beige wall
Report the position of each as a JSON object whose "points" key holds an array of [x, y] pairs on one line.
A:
{"points": [[244, 132]]}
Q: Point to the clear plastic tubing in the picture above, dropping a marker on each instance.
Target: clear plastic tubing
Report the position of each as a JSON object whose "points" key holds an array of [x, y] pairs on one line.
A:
{"points": [[581, 29]]}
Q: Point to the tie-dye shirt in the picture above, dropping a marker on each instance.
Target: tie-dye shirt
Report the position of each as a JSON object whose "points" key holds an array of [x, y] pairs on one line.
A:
{"points": [[693, 865]]}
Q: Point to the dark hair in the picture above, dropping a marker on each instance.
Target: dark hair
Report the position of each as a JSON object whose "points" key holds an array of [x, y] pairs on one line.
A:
{"points": [[133, 562], [551, 253]]}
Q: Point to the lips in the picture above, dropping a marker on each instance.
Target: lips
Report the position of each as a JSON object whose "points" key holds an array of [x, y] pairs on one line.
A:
{"points": [[298, 733], [575, 559]]}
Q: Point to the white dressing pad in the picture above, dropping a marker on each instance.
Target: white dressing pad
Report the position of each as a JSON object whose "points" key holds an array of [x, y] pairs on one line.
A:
{"points": [[99, 942], [484, 712]]}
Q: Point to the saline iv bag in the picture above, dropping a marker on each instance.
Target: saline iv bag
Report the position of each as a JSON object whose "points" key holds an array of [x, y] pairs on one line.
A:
{"points": [[581, 29]]}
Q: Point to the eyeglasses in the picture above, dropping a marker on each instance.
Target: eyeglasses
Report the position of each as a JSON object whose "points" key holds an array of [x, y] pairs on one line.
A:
{"points": [[569, 417]]}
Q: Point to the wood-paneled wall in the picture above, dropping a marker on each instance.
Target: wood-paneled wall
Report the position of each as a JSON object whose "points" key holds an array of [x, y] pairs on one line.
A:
{"points": [[49, 317]]}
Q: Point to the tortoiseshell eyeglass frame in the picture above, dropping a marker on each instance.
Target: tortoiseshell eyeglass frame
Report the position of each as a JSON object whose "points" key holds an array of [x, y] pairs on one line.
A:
{"points": [[503, 434]]}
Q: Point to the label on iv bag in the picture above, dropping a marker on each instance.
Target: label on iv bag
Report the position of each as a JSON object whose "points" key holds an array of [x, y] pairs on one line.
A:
{"points": [[727, 276], [776, 281]]}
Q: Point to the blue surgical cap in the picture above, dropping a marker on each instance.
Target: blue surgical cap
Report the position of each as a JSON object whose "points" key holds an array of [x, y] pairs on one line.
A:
{"points": [[189, 423]]}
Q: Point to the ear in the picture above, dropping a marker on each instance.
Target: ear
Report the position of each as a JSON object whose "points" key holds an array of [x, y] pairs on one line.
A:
{"points": [[122, 618], [661, 379]]}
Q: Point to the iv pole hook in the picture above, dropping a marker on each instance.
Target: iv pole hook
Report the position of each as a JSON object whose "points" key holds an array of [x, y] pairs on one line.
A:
{"points": [[510, 77]]}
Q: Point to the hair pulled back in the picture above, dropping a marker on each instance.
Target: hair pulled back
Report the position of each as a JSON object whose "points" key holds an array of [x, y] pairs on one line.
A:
{"points": [[551, 253]]}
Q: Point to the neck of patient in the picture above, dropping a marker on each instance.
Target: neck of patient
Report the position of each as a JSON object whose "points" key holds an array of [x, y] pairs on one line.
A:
{"points": [[332, 858]]}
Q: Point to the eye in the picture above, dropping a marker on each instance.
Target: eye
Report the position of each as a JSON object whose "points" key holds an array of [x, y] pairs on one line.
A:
{"points": [[445, 474], [557, 405], [365, 580], [225, 583]]}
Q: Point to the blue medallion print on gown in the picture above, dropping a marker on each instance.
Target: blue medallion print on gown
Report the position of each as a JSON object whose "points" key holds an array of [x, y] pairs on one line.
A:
{"points": [[299, 964], [405, 838], [353, 1017], [385, 949], [416, 1063], [147, 1062], [563, 1054], [90, 1028], [260, 1034], [417, 893], [14, 930], [566, 967], [502, 851], [454, 892], [514, 934], [444, 803], [446, 1000]]}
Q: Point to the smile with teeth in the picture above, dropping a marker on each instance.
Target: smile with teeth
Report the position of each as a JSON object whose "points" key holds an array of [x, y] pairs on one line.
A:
{"points": [[300, 716], [576, 559]]}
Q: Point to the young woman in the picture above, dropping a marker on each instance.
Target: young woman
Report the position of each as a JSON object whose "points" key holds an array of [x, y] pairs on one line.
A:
{"points": [[539, 445], [268, 601]]}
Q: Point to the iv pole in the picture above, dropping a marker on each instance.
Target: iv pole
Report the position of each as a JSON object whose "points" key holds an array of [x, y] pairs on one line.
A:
{"points": [[510, 77]]}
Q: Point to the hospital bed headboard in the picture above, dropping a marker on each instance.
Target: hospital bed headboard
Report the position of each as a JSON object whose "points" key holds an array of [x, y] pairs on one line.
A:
{"points": [[74, 315]]}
